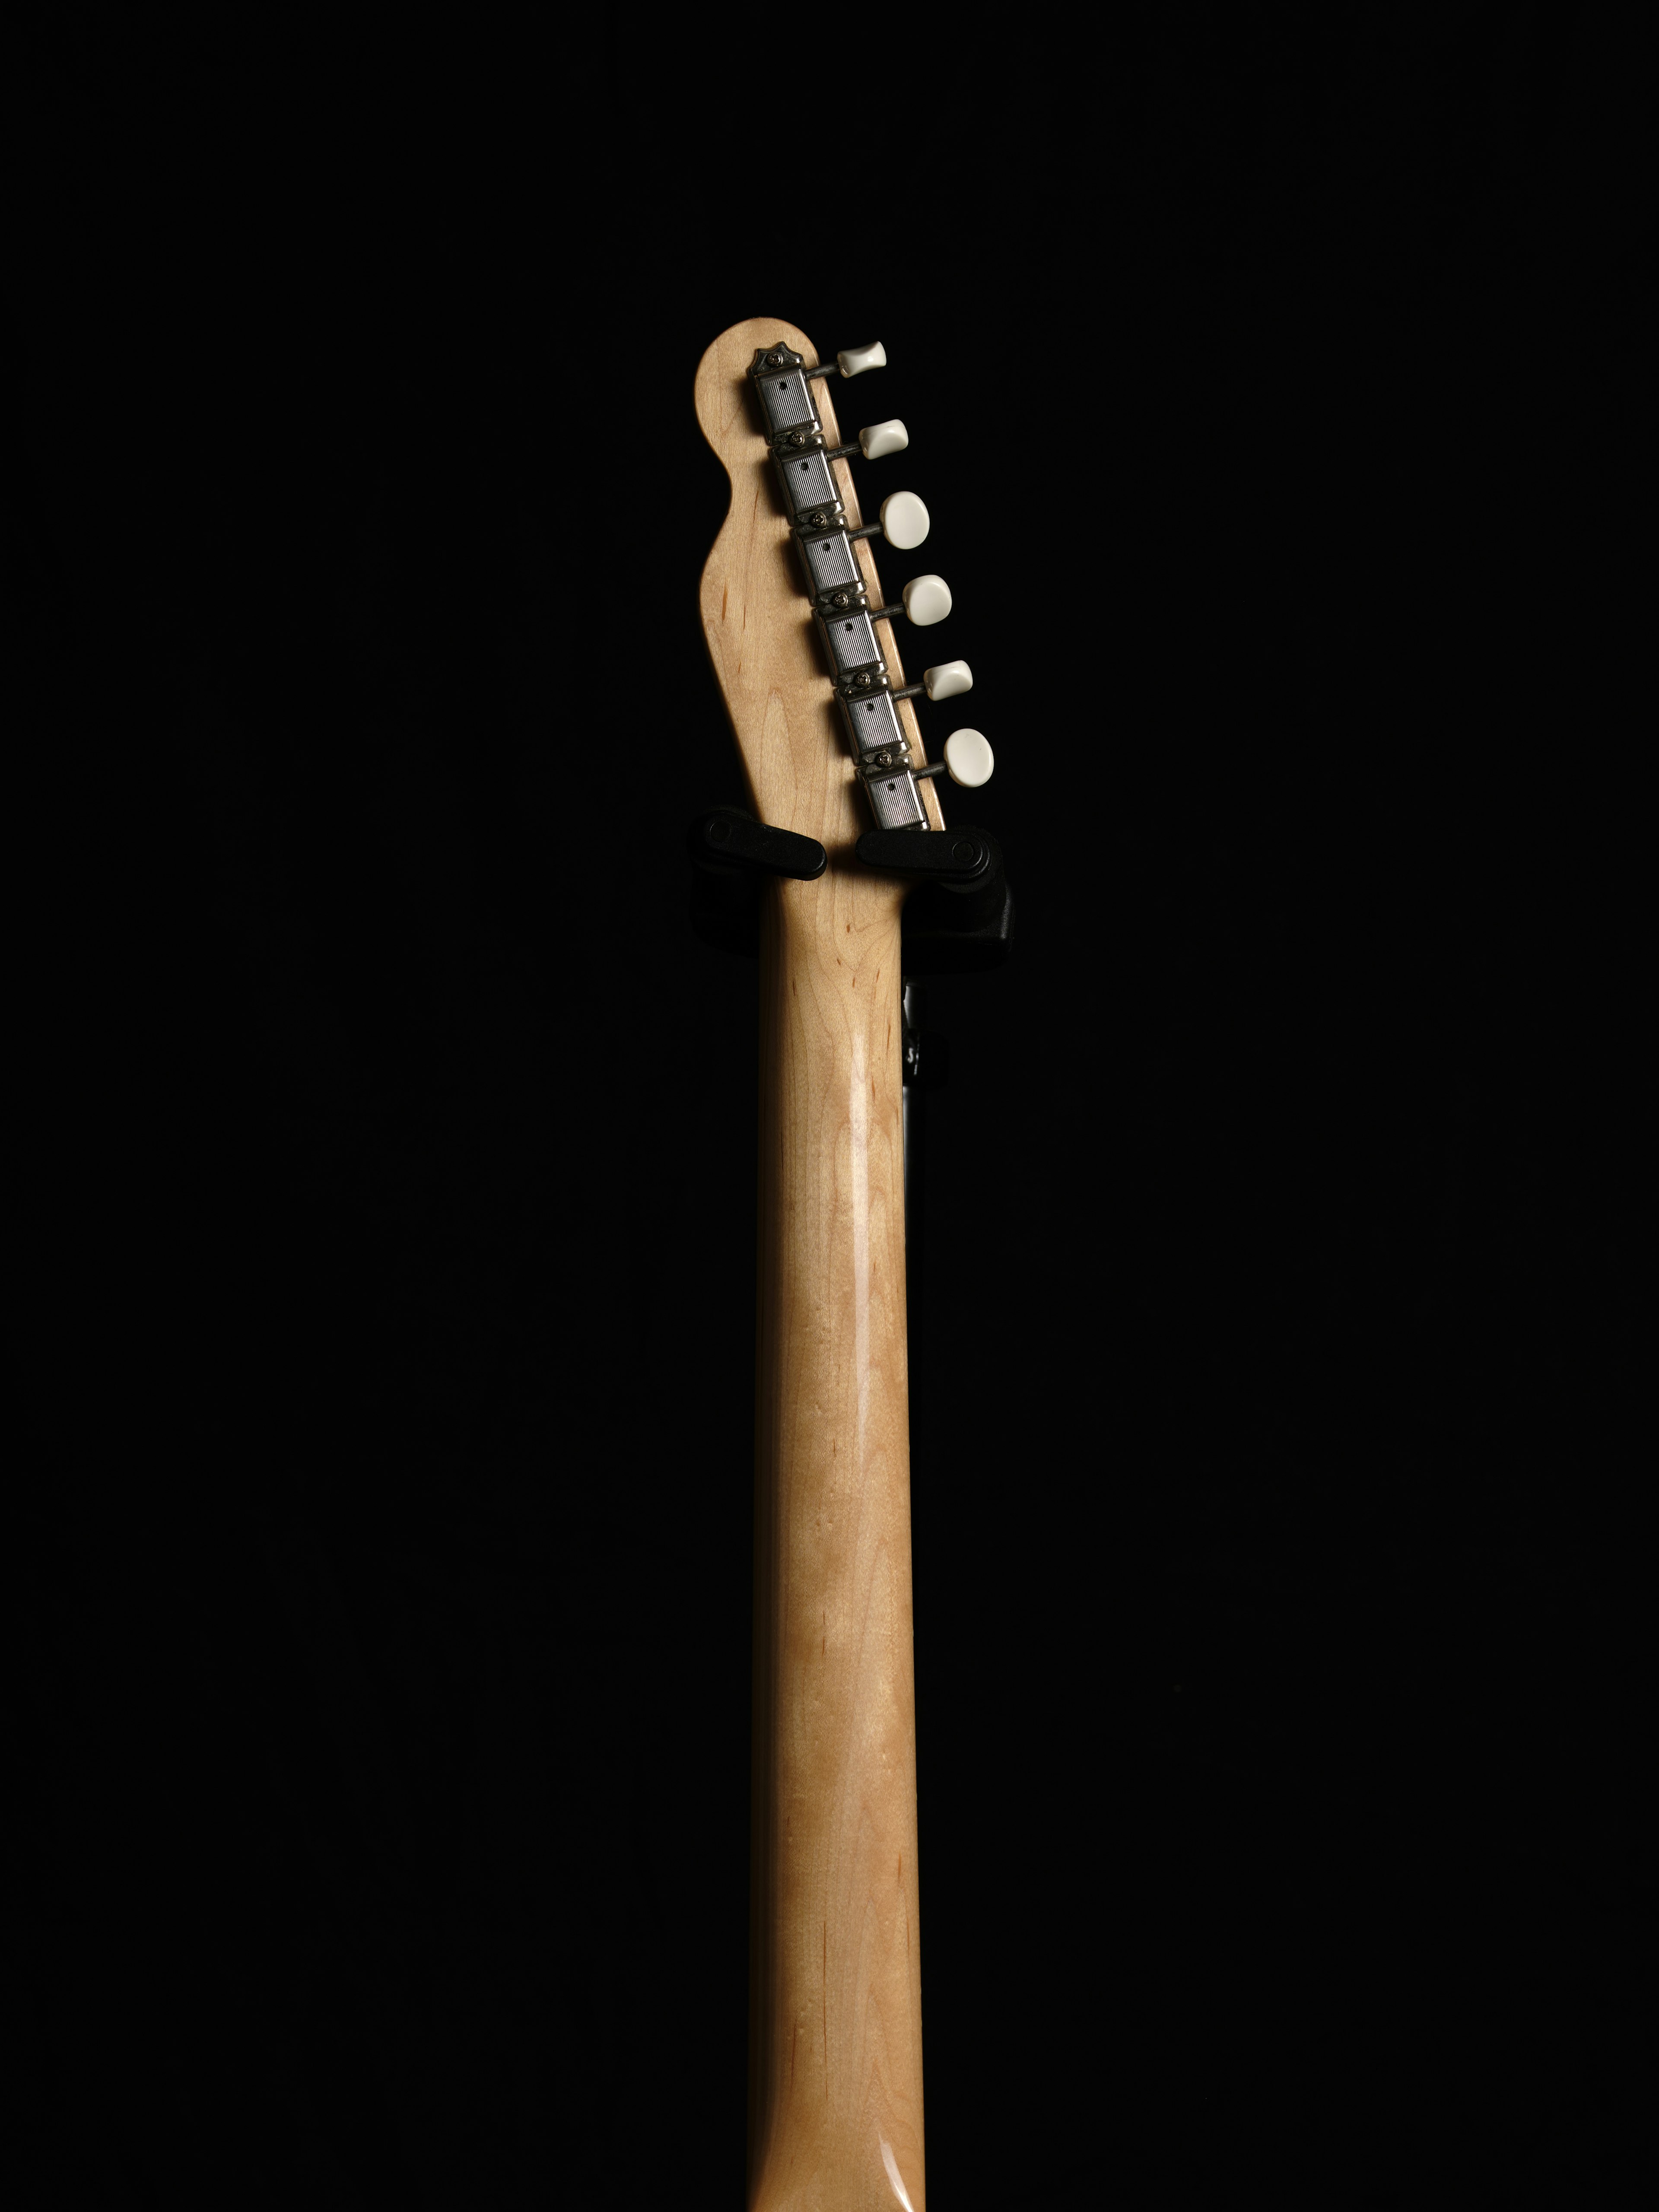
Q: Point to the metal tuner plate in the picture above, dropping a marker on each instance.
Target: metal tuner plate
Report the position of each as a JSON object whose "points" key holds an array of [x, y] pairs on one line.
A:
{"points": [[849, 639], [779, 376], [872, 723], [827, 555], [894, 797], [808, 484]]}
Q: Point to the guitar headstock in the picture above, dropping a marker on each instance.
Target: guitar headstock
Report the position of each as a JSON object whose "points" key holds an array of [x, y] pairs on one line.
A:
{"points": [[792, 603]]}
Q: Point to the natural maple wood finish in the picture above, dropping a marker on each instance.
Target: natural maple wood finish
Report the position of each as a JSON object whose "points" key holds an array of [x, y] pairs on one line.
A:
{"points": [[835, 1990]]}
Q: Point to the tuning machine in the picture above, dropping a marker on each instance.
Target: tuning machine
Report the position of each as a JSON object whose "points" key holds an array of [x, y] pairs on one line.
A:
{"points": [[781, 376], [854, 361], [826, 541], [841, 597], [869, 703], [875, 441], [802, 461], [879, 440], [845, 614], [924, 600], [967, 759], [903, 522], [948, 681]]}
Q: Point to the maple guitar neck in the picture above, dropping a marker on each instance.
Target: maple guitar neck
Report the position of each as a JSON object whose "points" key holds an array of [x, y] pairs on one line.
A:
{"points": [[836, 2093]]}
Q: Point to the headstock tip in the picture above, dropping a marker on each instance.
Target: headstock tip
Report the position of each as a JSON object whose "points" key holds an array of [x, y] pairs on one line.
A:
{"points": [[722, 385]]}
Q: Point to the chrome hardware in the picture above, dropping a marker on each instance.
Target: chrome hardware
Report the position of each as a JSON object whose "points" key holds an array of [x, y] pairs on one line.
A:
{"points": [[847, 599], [894, 797], [849, 639], [778, 374], [874, 443], [803, 459], [828, 554], [808, 484], [872, 722]]}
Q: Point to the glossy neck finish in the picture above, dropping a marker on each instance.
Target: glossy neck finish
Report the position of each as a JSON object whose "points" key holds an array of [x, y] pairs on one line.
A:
{"points": [[835, 2074]]}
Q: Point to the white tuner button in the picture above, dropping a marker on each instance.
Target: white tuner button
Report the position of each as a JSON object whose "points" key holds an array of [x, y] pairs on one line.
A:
{"points": [[968, 759], [926, 599], [882, 438], [947, 679], [857, 359], [903, 520]]}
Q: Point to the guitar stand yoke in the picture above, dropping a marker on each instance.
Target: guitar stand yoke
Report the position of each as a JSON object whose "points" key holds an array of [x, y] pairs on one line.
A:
{"points": [[958, 919]]}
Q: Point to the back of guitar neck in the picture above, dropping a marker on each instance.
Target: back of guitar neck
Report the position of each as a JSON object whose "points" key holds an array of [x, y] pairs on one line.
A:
{"points": [[836, 2109], [835, 2084]]}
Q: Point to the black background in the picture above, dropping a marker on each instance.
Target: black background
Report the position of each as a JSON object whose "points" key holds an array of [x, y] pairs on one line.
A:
{"points": [[380, 1560]]}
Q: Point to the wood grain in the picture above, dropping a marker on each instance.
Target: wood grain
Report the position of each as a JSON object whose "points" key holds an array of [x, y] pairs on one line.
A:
{"points": [[835, 2107]]}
